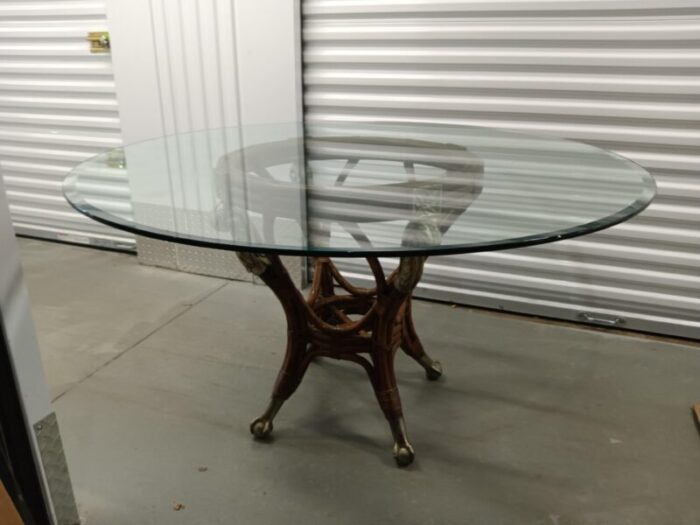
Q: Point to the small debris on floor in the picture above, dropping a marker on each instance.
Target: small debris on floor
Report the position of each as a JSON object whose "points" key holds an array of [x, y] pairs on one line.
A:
{"points": [[178, 506], [453, 306], [203, 469]]}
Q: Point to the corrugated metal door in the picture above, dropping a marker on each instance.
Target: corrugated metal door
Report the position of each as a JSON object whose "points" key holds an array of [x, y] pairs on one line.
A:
{"points": [[623, 75], [57, 108]]}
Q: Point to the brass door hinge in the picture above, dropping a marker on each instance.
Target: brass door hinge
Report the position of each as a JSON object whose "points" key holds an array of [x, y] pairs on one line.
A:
{"points": [[99, 41]]}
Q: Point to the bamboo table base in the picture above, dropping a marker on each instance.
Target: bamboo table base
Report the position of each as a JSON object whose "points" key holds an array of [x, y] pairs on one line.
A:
{"points": [[321, 325]]}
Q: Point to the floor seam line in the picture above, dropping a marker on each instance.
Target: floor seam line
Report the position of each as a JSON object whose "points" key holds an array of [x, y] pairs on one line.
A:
{"points": [[188, 307]]}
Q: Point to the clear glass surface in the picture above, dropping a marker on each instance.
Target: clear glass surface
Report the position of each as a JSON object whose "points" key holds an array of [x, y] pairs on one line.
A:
{"points": [[354, 189]]}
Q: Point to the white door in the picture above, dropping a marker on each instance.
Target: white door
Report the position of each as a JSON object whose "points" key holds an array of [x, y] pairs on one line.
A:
{"points": [[57, 107], [620, 74]]}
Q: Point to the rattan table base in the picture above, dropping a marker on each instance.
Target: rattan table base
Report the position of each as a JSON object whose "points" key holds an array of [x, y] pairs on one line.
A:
{"points": [[363, 325]]}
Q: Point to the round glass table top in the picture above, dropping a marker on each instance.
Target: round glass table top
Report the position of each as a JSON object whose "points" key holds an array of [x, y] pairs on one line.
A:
{"points": [[359, 189]]}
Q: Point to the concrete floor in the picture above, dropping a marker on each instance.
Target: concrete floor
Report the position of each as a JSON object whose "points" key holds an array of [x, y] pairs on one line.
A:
{"points": [[157, 374]]}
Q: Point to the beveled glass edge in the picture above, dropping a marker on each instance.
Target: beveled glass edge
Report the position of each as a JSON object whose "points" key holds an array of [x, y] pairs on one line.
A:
{"points": [[636, 207]]}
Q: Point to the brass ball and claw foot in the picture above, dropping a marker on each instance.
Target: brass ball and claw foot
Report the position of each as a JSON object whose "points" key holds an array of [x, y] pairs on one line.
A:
{"points": [[261, 428], [433, 369], [403, 454], [403, 451]]}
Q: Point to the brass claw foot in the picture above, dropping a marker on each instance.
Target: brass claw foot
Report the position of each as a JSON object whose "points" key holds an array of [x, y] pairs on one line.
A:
{"points": [[261, 428], [433, 369], [403, 451], [403, 454]]}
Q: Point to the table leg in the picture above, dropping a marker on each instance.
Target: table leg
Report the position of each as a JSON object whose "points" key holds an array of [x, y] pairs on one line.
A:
{"points": [[321, 325], [271, 270], [410, 343]]}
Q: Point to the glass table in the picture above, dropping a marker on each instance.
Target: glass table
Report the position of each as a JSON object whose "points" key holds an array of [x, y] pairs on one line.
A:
{"points": [[366, 190]]}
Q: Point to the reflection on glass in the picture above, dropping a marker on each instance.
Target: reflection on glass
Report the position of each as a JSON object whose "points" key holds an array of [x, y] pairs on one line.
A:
{"points": [[361, 188], [355, 183]]}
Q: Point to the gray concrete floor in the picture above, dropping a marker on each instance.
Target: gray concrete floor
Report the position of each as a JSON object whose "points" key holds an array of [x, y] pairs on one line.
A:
{"points": [[156, 375]]}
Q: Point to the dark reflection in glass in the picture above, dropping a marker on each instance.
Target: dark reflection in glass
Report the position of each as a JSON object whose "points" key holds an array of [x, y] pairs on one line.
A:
{"points": [[427, 204], [352, 189]]}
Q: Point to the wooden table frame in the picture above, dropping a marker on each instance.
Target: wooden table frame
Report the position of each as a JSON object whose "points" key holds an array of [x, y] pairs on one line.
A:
{"points": [[320, 325]]}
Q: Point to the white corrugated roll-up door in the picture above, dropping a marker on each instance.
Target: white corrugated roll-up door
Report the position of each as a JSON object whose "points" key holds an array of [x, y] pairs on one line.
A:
{"points": [[620, 74], [57, 107]]}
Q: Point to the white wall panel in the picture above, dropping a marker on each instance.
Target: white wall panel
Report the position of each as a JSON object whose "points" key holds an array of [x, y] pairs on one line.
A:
{"points": [[57, 108], [622, 75], [186, 65]]}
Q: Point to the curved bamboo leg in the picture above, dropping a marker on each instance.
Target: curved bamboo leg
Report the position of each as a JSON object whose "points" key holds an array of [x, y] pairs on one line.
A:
{"points": [[289, 378], [387, 392], [411, 345], [393, 300], [270, 269]]}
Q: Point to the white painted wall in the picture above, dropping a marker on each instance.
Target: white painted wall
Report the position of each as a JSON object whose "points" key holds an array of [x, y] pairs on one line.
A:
{"points": [[187, 65], [183, 65], [269, 60]]}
